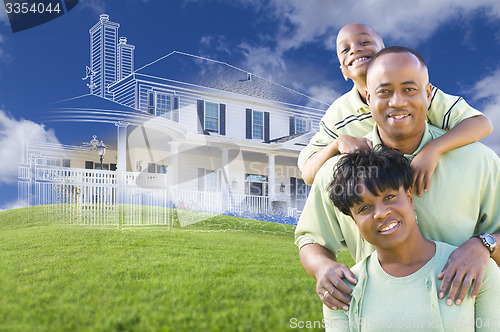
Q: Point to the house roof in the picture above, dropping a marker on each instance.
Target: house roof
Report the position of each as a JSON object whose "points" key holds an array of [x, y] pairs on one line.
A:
{"points": [[91, 107], [90, 102], [209, 73]]}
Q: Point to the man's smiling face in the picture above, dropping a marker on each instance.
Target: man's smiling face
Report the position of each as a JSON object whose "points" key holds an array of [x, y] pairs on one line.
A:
{"points": [[398, 92]]}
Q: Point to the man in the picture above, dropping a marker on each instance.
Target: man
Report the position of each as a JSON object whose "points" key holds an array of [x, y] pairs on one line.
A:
{"points": [[461, 201]]}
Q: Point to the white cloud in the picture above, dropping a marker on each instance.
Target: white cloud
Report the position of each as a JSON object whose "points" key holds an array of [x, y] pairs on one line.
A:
{"points": [[97, 6], [13, 205], [323, 93], [486, 90], [304, 22], [215, 47], [13, 134]]}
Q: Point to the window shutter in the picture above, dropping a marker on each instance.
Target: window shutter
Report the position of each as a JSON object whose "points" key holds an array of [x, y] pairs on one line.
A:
{"points": [[201, 115], [249, 123], [175, 111], [292, 125], [151, 102], [266, 126], [293, 192], [222, 119], [201, 179]]}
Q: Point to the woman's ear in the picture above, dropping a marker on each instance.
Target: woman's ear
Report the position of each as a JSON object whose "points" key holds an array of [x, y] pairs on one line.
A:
{"points": [[410, 195]]}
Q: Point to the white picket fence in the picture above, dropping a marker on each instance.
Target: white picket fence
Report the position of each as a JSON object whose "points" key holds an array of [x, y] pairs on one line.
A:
{"points": [[99, 197], [95, 197], [218, 202]]}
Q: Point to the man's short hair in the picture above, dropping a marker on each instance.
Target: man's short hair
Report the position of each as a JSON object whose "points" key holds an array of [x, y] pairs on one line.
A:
{"points": [[379, 169], [396, 49]]}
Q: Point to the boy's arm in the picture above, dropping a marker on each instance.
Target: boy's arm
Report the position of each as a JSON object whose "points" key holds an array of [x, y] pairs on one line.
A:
{"points": [[343, 144], [467, 131]]}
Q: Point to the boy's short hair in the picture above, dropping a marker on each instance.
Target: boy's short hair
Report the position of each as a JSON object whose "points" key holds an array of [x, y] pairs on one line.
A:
{"points": [[378, 169]]}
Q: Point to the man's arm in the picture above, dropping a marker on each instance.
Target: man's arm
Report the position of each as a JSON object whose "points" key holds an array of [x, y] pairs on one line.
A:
{"points": [[467, 131], [343, 144], [322, 265]]}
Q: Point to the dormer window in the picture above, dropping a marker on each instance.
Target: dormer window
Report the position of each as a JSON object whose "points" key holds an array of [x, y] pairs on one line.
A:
{"points": [[165, 105]]}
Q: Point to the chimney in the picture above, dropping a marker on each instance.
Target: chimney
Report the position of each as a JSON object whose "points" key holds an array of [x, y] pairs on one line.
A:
{"points": [[104, 17]]}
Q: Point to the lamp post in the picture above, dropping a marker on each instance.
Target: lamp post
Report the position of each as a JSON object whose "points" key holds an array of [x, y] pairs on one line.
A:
{"points": [[94, 144], [102, 151]]}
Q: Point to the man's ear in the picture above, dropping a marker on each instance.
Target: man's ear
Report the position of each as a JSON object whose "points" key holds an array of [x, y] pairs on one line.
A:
{"points": [[344, 74], [428, 91], [367, 96]]}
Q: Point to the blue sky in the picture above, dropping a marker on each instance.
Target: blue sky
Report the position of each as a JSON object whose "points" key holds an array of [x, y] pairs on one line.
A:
{"points": [[291, 42]]}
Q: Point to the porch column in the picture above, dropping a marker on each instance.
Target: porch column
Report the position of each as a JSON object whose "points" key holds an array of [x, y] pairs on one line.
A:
{"points": [[121, 165], [173, 169], [225, 179], [272, 180]]}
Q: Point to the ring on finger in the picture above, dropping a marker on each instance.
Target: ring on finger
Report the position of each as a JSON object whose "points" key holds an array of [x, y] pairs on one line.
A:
{"points": [[325, 293]]}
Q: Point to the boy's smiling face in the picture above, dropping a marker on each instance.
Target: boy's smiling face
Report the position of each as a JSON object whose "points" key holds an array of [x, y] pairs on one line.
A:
{"points": [[356, 44]]}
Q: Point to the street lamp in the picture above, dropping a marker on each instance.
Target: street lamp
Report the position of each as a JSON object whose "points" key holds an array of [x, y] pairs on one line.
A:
{"points": [[94, 144], [102, 151]]}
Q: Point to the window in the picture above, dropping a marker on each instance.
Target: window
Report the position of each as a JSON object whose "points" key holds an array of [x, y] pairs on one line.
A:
{"points": [[300, 125], [104, 166], [164, 106], [258, 125], [298, 193], [211, 117], [302, 189], [256, 185], [209, 180], [162, 169], [53, 162], [157, 168]]}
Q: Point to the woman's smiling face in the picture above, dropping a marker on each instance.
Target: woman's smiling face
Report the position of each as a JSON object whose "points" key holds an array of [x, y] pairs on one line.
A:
{"points": [[385, 220]]}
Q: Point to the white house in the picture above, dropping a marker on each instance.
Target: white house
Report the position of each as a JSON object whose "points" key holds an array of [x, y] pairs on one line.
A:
{"points": [[224, 138]]}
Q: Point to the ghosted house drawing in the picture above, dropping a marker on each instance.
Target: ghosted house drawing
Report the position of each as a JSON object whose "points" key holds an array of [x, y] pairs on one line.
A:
{"points": [[224, 139]]}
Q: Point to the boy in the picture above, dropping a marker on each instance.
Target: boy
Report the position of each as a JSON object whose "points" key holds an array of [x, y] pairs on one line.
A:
{"points": [[348, 119]]}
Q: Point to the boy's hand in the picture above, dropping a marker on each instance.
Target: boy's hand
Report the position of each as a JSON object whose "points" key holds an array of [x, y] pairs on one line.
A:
{"points": [[424, 164], [350, 144]]}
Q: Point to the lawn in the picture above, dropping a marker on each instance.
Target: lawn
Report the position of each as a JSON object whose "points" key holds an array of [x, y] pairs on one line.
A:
{"points": [[207, 277]]}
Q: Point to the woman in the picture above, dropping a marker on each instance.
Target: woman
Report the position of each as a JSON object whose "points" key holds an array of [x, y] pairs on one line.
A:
{"points": [[397, 284]]}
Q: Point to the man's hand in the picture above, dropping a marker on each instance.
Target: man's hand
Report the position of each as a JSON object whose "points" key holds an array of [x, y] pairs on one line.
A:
{"points": [[331, 289], [350, 144], [466, 264], [321, 264], [424, 164]]}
